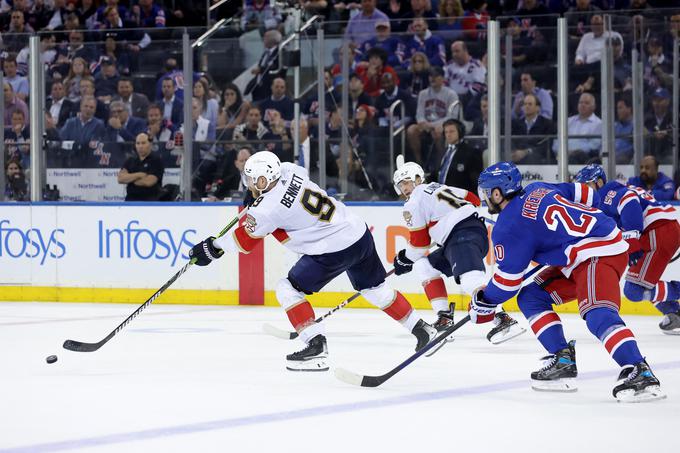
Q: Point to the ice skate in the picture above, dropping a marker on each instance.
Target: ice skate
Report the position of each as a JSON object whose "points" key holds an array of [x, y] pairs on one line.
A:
{"points": [[425, 333], [505, 328], [670, 324], [314, 357], [445, 320], [558, 373], [637, 384]]}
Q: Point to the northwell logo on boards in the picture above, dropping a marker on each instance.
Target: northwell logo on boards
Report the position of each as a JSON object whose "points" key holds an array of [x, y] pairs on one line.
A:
{"points": [[134, 241], [40, 243]]}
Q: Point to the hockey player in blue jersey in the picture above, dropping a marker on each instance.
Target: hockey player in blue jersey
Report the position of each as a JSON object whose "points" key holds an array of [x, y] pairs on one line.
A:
{"points": [[587, 256], [654, 238]]}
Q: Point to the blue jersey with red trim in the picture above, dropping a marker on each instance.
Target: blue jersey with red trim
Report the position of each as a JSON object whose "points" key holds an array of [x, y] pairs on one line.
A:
{"points": [[633, 208], [549, 225]]}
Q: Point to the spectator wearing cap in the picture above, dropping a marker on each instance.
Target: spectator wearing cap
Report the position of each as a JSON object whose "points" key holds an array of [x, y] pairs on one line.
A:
{"points": [[652, 180], [135, 103], [591, 45], [528, 85], [432, 110], [623, 130], [527, 48], [390, 94], [59, 107], [12, 104], [106, 80], [464, 74], [362, 26], [422, 9], [19, 83], [659, 124], [383, 40], [423, 41], [372, 72], [658, 67]]}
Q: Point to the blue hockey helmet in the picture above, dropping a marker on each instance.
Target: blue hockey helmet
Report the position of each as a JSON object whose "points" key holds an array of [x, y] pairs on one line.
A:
{"points": [[591, 173], [504, 176]]}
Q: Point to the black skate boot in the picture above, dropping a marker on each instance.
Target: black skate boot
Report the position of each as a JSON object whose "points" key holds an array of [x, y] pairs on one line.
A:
{"points": [[314, 357], [670, 324], [445, 318], [637, 384], [425, 333], [506, 328], [558, 372]]}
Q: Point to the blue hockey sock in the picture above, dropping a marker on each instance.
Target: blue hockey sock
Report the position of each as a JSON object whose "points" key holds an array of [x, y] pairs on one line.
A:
{"points": [[618, 340], [536, 306], [668, 306]]}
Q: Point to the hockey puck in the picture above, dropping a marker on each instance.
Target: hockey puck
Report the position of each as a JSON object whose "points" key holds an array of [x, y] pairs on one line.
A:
{"points": [[51, 359]]}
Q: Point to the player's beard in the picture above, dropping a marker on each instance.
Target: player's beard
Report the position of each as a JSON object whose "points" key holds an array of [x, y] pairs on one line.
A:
{"points": [[492, 207]]}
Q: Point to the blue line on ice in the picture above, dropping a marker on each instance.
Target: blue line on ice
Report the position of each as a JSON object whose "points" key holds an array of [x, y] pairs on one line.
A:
{"points": [[332, 409]]}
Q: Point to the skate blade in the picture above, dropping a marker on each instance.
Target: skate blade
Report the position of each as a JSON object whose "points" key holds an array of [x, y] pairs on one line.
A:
{"points": [[566, 385], [318, 364], [434, 350], [508, 334], [651, 393], [671, 332]]}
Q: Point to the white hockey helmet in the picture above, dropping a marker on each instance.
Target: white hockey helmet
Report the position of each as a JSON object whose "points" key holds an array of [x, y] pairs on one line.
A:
{"points": [[408, 171], [262, 164]]}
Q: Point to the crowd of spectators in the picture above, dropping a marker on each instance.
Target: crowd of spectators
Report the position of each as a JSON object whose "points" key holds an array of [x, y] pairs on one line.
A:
{"points": [[428, 54]]}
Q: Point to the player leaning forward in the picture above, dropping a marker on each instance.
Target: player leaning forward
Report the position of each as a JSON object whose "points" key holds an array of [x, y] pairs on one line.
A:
{"points": [[331, 239], [548, 224], [446, 216]]}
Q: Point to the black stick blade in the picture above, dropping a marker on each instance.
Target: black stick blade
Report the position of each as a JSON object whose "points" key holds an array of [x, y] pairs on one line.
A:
{"points": [[78, 346]]}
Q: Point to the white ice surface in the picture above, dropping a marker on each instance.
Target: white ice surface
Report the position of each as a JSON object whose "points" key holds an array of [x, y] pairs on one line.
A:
{"points": [[205, 379]]}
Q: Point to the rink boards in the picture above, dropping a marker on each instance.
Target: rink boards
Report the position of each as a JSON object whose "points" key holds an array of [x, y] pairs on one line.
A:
{"points": [[114, 252]]}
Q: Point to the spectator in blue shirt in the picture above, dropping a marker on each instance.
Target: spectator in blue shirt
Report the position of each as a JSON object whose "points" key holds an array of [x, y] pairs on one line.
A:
{"points": [[148, 15], [623, 130], [652, 180], [382, 39], [423, 41], [82, 134], [362, 26], [19, 83]]}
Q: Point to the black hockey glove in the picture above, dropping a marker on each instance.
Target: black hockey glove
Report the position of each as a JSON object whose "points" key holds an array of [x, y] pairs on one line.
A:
{"points": [[205, 252], [402, 265]]}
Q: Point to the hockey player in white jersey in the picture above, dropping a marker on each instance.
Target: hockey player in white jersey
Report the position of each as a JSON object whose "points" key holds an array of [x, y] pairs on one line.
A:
{"points": [[331, 240], [448, 217]]}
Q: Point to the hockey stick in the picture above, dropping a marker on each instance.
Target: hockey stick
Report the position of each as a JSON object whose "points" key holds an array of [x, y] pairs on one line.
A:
{"points": [[374, 381], [287, 335], [80, 346]]}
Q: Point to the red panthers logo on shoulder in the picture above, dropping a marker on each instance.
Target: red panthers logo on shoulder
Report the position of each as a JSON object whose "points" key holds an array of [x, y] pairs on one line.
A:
{"points": [[500, 252]]}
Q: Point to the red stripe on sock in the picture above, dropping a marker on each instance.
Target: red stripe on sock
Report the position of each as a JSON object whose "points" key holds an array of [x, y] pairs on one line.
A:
{"points": [[544, 320], [399, 309], [301, 315], [613, 341], [435, 289]]}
